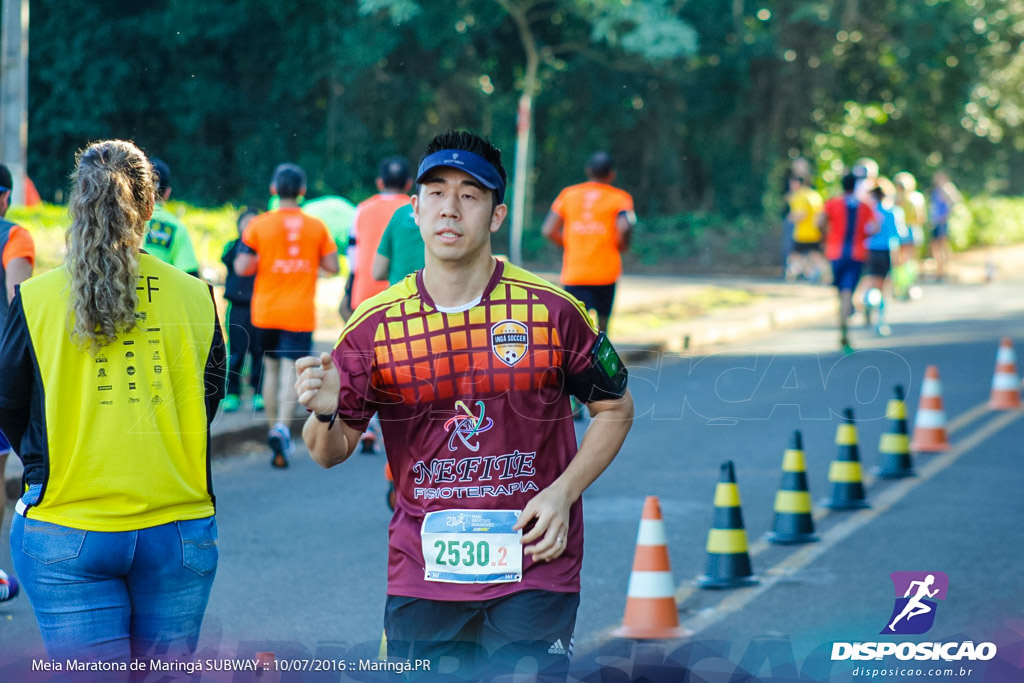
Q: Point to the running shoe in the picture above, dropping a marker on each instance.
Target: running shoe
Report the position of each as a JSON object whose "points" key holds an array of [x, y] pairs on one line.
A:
{"points": [[257, 403], [231, 403], [883, 330], [8, 587], [281, 444], [844, 345], [368, 443]]}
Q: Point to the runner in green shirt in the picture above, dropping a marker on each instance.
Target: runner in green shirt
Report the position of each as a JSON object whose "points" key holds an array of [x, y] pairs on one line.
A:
{"points": [[337, 213], [401, 248], [168, 238]]}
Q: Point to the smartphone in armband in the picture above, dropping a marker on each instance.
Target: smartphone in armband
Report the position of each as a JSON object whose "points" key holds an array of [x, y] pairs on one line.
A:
{"points": [[605, 377]]}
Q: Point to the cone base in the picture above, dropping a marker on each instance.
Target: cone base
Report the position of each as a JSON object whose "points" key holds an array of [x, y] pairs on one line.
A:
{"points": [[706, 581], [792, 525], [918, 447], [845, 504], [899, 473], [1002, 405], [790, 539], [651, 632]]}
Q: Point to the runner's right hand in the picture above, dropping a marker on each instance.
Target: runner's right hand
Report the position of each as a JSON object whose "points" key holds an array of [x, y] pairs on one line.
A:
{"points": [[318, 383]]}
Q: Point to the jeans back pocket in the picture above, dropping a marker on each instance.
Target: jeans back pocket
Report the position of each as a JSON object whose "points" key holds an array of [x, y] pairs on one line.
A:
{"points": [[49, 543], [199, 545]]}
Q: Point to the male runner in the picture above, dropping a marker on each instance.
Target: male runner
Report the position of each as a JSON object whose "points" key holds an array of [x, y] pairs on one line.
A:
{"points": [[401, 248], [168, 238], [17, 258], [368, 225], [805, 205], [592, 222], [284, 249], [243, 338], [371, 217], [944, 196], [470, 363], [847, 221], [880, 246]]}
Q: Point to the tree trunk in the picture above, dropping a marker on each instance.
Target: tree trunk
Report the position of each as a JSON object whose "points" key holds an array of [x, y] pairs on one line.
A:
{"points": [[524, 130], [737, 16], [14, 99]]}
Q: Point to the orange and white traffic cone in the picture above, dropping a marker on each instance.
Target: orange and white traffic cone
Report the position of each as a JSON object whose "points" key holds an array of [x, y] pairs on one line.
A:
{"points": [[930, 423], [1005, 382], [651, 612]]}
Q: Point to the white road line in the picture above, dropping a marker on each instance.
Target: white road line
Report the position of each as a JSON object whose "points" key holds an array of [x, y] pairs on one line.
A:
{"points": [[757, 547], [882, 502], [801, 558]]}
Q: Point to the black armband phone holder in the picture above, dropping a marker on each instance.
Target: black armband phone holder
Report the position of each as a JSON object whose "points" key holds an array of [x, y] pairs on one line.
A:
{"points": [[605, 377]]}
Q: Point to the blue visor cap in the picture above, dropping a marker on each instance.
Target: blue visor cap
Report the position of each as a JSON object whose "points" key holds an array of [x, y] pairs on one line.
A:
{"points": [[467, 162]]}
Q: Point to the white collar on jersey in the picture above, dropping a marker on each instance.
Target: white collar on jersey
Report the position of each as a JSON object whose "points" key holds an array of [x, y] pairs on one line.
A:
{"points": [[459, 309]]}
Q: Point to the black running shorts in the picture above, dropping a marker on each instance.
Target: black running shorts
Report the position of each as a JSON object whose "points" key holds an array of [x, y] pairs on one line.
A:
{"points": [[594, 297], [879, 262], [486, 638]]}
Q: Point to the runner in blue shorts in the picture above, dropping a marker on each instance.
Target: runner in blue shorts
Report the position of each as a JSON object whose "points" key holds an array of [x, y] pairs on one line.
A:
{"points": [[846, 222]]}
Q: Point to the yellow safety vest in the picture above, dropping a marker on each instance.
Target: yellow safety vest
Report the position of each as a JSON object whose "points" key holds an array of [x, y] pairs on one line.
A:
{"points": [[126, 429]]}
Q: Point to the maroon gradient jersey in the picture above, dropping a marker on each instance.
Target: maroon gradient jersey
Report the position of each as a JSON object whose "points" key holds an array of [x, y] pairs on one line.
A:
{"points": [[474, 410]]}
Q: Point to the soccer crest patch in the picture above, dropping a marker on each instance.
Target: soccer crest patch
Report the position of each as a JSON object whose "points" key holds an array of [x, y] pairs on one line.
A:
{"points": [[509, 341]]}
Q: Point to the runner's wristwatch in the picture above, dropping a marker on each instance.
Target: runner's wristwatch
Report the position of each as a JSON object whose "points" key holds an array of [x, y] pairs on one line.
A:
{"points": [[327, 418]]}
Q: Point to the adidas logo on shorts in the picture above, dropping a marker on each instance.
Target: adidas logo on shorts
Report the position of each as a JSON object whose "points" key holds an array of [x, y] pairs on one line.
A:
{"points": [[556, 648]]}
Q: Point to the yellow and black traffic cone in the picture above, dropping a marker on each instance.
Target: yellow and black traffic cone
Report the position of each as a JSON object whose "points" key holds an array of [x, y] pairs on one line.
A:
{"points": [[728, 560], [894, 447], [793, 521], [845, 471]]}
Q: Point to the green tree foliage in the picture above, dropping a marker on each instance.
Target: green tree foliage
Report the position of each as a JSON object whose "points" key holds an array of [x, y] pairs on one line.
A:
{"points": [[702, 103]]}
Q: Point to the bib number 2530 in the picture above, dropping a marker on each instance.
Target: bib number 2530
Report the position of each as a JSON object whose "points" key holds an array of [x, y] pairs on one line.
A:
{"points": [[472, 546]]}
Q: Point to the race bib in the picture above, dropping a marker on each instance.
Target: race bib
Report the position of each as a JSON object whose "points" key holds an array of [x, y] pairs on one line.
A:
{"points": [[472, 546]]}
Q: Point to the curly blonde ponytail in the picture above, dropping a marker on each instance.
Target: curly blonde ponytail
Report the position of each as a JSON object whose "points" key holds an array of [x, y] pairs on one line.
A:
{"points": [[112, 196]]}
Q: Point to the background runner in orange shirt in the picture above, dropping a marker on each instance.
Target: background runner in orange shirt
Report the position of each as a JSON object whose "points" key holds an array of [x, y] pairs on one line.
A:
{"points": [[372, 216], [284, 250], [592, 222]]}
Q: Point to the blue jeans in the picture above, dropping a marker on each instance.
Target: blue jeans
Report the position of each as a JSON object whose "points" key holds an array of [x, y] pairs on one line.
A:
{"points": [[114, 596]]}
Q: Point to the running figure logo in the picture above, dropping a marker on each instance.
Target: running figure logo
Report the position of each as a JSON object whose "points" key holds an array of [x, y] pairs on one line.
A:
{"points": [[466, 425], [914, 614]]}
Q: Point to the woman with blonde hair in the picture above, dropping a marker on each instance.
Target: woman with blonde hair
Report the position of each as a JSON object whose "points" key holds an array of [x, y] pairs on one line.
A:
{"points": [[111, 368]]}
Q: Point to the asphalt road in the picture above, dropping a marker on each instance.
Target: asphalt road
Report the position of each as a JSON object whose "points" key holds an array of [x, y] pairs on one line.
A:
{"points": [[303, 551]]}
